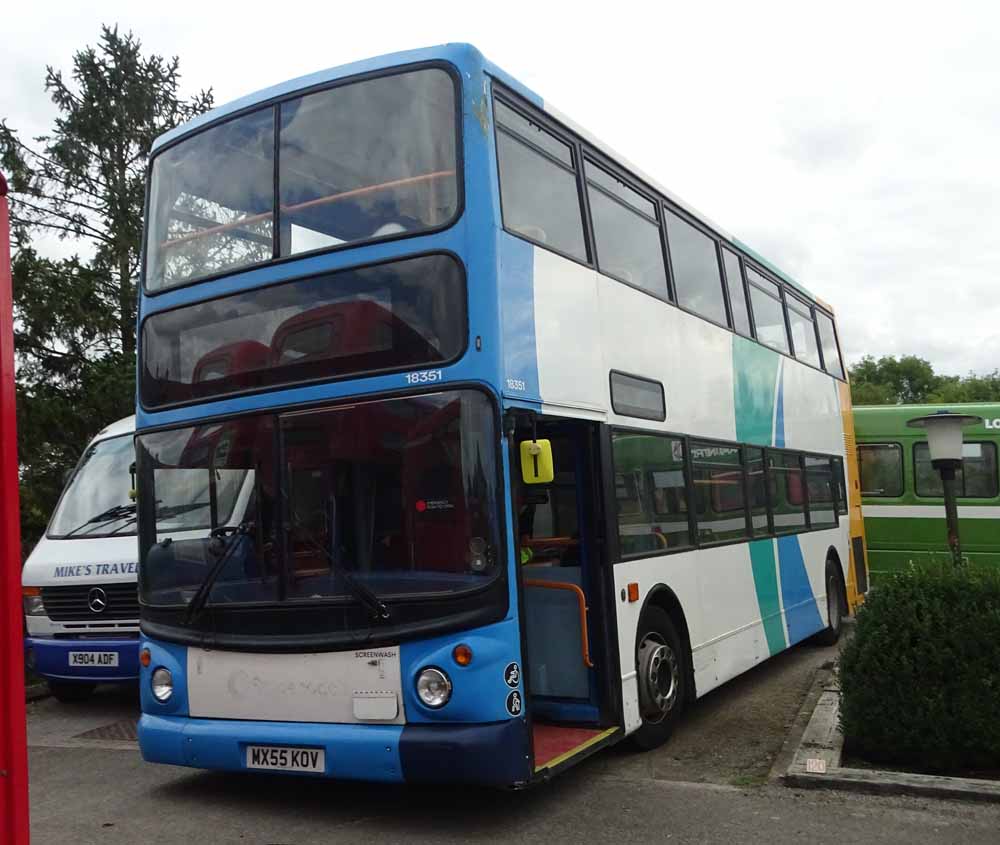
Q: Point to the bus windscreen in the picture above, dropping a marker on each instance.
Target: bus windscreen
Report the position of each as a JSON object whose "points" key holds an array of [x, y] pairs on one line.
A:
{"points": [[363, 161]]}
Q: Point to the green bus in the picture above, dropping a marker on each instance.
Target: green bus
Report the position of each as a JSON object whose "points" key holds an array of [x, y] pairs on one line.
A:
{"points": [[901, 494]]}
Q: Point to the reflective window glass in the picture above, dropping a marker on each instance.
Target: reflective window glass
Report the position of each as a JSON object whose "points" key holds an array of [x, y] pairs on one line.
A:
{"points": [[787, 499], [803, 332], [737, 294], [406, 313], [881, 468], [628, 244], [368, 160], [651, 493], [828, 337], [820, 485], [717, 475], [758, 490], [975, 478], [695, 268], [768, 313], [211, 202], [539, 194]]}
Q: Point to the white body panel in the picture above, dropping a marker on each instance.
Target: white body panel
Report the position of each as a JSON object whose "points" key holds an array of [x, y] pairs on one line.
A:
{"points": [[721, 589], [331, 687]]}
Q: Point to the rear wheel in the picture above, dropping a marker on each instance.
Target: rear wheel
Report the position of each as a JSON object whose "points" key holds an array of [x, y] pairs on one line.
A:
{"points": [[834, 605], [70, 692], [661, 676]]}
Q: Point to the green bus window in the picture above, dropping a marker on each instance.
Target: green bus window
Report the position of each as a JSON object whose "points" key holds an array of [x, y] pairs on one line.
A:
{"points": [[979, 468], [696, 269], [787, 501], [828, 339], [820, 484], [975, 479], [717, 477], [881, 468], [626, 233], [768, 314], [737, 294], [538, 190], [651, 493]]}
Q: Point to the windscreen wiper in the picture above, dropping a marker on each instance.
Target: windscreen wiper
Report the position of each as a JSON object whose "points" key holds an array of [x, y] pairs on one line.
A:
{"points": [[110, 515], [378, 608], [200, 598]]}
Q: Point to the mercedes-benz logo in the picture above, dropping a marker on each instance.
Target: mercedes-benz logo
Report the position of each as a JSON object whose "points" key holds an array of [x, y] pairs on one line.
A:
{"points": [[97, 600]]}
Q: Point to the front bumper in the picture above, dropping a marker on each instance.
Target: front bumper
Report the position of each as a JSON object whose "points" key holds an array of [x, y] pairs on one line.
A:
{"points": [[493, 754], [50, 659]]}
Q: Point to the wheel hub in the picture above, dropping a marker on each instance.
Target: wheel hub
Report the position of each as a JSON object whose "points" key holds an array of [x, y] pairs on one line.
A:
{"points": [[659, 678]]}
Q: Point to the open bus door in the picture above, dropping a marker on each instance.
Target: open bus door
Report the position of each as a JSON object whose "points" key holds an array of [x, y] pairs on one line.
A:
{"points": [[13, 739], [568, 608]]}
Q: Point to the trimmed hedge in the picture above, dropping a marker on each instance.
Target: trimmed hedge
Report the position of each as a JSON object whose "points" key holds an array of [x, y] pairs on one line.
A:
{"points": [[920, 679]]}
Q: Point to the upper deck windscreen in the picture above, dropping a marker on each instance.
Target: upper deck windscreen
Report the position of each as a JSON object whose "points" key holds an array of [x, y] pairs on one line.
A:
{"points": [[362, 161]]}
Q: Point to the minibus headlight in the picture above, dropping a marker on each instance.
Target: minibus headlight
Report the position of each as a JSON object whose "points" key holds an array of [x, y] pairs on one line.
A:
{"points": [[32, 598], [433, 687], [162, 684]]}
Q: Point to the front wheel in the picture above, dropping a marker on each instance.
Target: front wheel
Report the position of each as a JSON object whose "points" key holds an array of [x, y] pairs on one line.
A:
{"points": [[661, 676], [71, 692], [834, 606]]}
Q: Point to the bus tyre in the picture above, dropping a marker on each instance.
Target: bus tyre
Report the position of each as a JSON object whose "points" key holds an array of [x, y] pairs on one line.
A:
{"points": [[70, 692], [661, 676], [834, 606]]}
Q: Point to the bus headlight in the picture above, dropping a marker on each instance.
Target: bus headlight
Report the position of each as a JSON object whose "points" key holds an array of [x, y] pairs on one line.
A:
{"points": [[433, 687], [162, 684]]}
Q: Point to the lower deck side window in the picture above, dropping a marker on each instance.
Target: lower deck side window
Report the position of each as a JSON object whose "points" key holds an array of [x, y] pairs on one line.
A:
{"points": [[674, 492]]}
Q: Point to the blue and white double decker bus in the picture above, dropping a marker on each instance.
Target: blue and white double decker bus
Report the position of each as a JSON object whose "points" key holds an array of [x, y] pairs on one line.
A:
{"points": [[538, 454]]}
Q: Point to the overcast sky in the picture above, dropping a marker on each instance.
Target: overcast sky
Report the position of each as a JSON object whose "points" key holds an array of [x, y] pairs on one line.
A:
{"points": [[857, 146]]}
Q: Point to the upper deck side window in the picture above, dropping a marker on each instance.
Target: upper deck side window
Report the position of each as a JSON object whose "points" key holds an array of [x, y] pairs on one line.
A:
{"points": [[768, 313], [800, 320], [538, 184], [626, 232], [828, 340], [695, 265], [357, 162], [642, 238], [737, 292]]}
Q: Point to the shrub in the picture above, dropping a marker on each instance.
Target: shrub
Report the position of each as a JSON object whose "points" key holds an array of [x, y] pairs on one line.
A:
{"points": [[920, 679]]}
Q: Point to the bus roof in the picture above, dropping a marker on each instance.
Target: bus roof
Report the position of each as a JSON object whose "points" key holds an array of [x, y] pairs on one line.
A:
{"points": [[890, 420], [462, 55], [126, 425]]}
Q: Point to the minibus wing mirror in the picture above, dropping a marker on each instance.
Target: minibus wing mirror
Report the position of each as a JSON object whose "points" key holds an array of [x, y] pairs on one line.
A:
{"points": [[537, 466]]}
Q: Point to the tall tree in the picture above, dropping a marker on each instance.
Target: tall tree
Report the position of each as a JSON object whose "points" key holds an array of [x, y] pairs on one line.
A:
{"points": [[75, 317]]}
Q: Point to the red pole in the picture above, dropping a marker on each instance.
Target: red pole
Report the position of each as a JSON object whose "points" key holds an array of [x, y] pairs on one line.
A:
{"points": [[13, 739]]}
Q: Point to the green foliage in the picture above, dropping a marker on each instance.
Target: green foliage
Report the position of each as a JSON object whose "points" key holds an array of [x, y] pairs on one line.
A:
{"points": [[912, 380], [75, 317], [920, 679]]}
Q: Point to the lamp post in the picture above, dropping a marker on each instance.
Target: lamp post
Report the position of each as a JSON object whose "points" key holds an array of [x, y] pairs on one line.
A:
{"points": [[944, 442]]}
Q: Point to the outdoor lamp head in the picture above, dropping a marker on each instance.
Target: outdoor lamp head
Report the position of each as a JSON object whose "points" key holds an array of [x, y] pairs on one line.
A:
{"points": [[944, 435]]}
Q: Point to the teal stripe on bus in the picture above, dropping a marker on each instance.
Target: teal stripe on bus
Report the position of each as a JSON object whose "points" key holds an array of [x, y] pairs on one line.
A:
{"points": [[765, 581], [755, 372]]}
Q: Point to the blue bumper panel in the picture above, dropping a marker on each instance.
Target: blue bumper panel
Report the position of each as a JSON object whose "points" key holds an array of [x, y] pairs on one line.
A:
{"points": [[51, 659], [494, 755], [353, 752]]}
